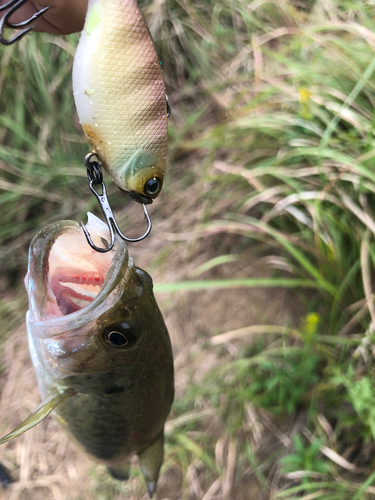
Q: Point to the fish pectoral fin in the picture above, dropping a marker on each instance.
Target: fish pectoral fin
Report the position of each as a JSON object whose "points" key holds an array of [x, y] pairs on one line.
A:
{"points": [[39, 414], [150, 460], [120, 472]]}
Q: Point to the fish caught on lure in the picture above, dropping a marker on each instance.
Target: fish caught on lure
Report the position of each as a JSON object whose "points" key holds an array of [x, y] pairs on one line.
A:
{"points": [[120, 96], [100, 348]]}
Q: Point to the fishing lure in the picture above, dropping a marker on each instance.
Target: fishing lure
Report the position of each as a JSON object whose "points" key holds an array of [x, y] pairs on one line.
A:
{"points": [[120, 97], [100, 348]]}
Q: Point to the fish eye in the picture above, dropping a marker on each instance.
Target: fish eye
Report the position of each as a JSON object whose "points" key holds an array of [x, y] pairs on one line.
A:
{"points": [[119, 336], [153, 186]]}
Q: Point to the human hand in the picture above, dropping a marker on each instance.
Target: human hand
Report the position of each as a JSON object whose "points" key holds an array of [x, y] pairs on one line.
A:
{"points": [[62, 18]]}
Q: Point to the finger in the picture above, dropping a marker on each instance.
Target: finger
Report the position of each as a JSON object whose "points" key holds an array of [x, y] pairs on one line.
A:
{"points": [[62, 18], [66, 16]]}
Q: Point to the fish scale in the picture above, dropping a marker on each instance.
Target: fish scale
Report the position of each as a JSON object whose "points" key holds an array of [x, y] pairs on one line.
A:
{"points": [[112, 397]]}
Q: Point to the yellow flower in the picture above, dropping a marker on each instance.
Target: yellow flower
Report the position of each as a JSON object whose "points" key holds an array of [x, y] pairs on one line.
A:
{"points": [[311, 323], [304, 95]]}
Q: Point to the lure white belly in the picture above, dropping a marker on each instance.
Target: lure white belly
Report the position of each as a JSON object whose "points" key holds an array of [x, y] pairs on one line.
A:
{"points": [[120, 96]]}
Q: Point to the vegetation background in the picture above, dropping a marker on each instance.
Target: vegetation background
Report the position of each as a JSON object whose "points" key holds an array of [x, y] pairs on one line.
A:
{"points": [[262, 251]]}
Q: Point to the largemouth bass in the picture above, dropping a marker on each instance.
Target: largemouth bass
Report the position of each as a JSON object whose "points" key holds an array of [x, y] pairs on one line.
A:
{"points": [[100, 348], [120, 96]]}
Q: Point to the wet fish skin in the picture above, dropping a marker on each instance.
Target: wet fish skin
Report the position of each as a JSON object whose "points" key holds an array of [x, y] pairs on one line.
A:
{"points": [[120, 396], [122, 409]]}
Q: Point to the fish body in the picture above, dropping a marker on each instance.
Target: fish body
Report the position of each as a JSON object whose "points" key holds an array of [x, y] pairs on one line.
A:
{"points": [[97, 337], [120, 96]]}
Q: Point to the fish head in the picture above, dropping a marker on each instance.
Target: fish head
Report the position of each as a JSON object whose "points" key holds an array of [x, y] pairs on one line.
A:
{"points": [[93, 322], [142, 175]]}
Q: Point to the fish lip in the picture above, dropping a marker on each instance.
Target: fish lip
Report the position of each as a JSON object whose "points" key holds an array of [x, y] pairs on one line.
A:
{"points": [[72, 323], [108, 296], [139, 198]]}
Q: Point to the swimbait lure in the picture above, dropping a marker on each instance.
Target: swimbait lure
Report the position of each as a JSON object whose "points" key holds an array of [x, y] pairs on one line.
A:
{"points": [[120, 96], [100, 348]]}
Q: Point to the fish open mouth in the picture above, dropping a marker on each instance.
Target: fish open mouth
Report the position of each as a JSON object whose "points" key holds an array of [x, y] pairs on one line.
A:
{"points": [[76, 272], [68, 282]]}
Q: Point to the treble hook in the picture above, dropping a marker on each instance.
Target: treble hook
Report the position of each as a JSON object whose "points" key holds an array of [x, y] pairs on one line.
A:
{"points": [[168, 106], [13, 6], [95, 176]]}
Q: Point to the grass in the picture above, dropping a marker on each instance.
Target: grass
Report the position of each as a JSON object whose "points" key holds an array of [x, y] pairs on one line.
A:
{"points": [[271, 168]]}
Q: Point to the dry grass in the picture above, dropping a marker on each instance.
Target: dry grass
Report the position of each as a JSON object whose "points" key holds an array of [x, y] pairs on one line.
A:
{"points": [[45, 465], [270, 175]]}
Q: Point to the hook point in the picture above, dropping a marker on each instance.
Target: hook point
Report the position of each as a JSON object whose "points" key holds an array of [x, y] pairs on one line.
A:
{"points": [[95, 177]]}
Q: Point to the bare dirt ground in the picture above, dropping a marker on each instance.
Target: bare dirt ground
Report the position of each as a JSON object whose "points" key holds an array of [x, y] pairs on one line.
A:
{"points": [[45, 465]]}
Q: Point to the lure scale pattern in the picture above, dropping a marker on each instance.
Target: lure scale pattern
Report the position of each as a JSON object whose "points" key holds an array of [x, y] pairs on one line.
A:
{"points": [[119, 89]]}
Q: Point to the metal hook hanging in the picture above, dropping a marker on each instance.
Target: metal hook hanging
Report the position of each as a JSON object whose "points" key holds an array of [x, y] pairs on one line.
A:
{"points": [[168, 106], [13, 6], [95, 176]]}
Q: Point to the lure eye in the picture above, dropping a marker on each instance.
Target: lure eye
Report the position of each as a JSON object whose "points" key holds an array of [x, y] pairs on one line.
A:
{"points": [[153, 186], [119, 336]]}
